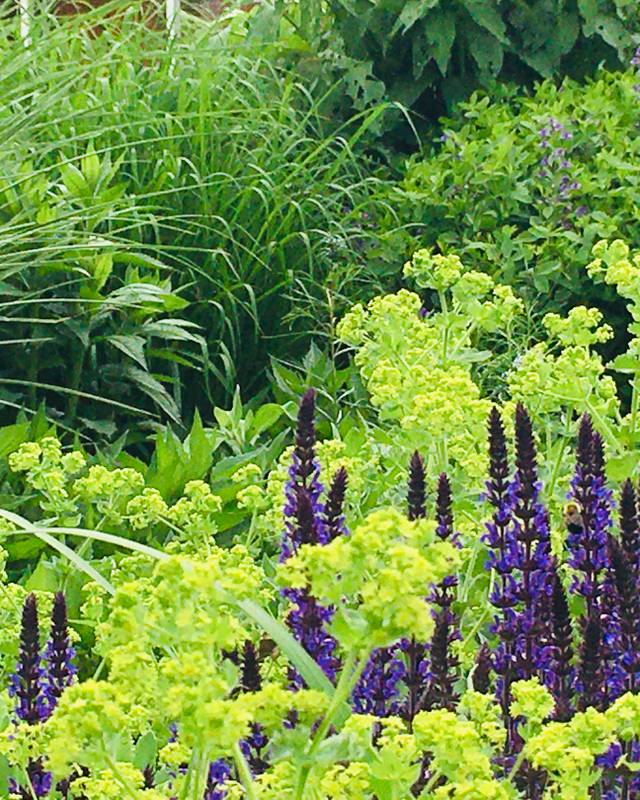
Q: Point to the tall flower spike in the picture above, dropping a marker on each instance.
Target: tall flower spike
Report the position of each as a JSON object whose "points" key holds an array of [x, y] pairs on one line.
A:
{"points": [[586, 539], [26, 682], [443, 665], [334, 507], [444, 514], [531, 528], [561, 642], [481, 677], [503, 560], [303, 510], [416, 491], [590, 678], [377, 691], [304, 524], [629, 614], [629, 529], [250, 678], [60, 670]]}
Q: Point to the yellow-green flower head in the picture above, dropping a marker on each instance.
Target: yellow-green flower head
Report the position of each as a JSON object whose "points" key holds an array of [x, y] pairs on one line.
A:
{"points": [[531, 700], [249, 473], [185, 602], [271, 705], [379, 576], [277, 783], [26, 457], [146, 509], [443, 734], [346, 782], [253, 498], [433, 271], [89, 721], [625, 715], [194, 693], [580, 327], [486, 715]]}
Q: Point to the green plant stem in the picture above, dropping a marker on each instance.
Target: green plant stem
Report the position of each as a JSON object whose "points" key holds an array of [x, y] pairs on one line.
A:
{"points": [[348, 677], [244, 773], [608, 434], [635, 402], [445, 328], [558, 461], [126, 785]]}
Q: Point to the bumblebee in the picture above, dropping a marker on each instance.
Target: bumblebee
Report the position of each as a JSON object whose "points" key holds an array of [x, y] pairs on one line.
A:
{"points": [[572, 516]]}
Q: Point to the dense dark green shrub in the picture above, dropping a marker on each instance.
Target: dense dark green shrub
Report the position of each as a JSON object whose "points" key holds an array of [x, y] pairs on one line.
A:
{"points": [[525, 186], [428, 54]]}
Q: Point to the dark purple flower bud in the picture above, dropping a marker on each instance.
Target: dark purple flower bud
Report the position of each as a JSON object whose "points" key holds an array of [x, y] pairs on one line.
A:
{"points": [[628, 614], [481, 677], [590, 677], [305, 441], [303, 510], [378, 689], [444, 514], [629, 528], [416, 492], [561, 670], [60, 670], [443, 665], [334, 522], [250, 678], [26, 682]]}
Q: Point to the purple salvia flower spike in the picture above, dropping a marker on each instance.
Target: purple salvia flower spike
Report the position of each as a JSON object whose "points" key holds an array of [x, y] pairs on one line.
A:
{"points": [[590, 677], [629, 528], [561, 671], [416, 491], [629, 614], [531, 528], [481, 678], [26, 682], [444, 514], [503, 559], [334, 522], [305, 524], [60, 670], [377, 691]]}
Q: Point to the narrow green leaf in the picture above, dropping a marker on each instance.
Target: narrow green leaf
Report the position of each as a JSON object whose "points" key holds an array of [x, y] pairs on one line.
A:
{"points": [[311, 673]]}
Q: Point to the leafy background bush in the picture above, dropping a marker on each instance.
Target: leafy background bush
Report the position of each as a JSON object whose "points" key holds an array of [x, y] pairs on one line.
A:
{"points": [[170, 218], [429, 54], [524, 186]]}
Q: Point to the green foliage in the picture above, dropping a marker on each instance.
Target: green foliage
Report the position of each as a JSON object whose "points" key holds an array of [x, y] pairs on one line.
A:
{"points": [[523, 187], [428, 54], [162, 212]]}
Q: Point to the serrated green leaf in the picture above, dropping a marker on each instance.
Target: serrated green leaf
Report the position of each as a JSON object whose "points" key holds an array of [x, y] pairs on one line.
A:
{"points": [[441, 34], [411, 12]]}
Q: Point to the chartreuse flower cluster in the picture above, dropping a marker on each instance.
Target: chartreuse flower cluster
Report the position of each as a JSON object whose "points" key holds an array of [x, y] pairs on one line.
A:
{"points": [[416, 364], [70, 492], [185, 698]]}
